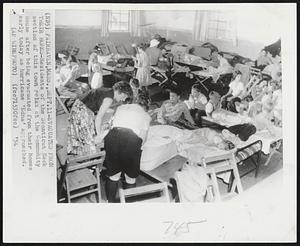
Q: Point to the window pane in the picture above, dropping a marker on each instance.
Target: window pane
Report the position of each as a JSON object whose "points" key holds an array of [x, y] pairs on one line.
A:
{"points": [[124, 26], [119, 20], [124, 18], [114, 26]]}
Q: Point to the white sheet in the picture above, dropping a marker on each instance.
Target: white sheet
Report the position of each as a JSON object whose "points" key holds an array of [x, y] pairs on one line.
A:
{"points": [[164, 142], [156, 151]]}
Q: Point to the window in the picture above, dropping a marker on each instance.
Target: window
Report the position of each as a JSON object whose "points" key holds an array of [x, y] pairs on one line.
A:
{"points": [[119, 21], [220, 27]]}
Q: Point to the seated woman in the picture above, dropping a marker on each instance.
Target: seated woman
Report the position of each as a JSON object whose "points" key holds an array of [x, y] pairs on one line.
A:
{"points": [[236, 88], [123, 145], [196, 103], [68, 73], [85, 119], [175, 112]]}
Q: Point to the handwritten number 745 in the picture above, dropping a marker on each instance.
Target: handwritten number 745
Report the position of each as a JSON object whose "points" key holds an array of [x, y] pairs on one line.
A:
{"points": [[179, 227]]}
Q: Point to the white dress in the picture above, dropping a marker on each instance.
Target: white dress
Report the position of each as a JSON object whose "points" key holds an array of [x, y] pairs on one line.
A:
{"points": [[143, 69], [97, 79]]}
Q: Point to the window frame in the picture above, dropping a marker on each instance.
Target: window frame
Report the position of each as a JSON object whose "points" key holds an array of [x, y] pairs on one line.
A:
{"points": [[118, 22]]}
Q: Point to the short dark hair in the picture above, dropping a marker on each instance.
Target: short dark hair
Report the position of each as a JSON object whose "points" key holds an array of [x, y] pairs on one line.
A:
{"points": [[142, 46], [143, 101], [123, 87], [175, 90], [197, 87], [229, 145], [214, 93]]}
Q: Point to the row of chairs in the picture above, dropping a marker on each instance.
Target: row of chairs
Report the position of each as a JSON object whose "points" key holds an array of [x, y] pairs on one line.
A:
{"points": [[80, 176]]}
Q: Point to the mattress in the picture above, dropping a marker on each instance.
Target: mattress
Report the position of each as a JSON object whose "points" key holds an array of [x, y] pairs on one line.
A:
{"points": [[156, 151]]}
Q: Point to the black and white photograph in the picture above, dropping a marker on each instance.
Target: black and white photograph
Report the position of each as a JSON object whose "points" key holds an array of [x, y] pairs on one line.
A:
{"points": [[166, 106], [158, 122]]}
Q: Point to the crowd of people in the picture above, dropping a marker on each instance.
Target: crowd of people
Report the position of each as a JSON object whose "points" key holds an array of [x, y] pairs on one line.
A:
{"points": [[126, 132]]}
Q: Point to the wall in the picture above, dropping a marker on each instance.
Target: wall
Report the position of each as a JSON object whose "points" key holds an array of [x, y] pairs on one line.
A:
{"points": [[256, 27], [78, 18]]}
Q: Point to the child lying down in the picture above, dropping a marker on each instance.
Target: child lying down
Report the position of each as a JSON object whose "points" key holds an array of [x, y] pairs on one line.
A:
{"points": [[224, 140]]}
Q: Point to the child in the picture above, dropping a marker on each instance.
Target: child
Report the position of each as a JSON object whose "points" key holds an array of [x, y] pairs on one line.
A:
{"points": [[143, 66], [138, 92], [236, 88], [175, 112], [213, 103], [196, 103], [95, 72]]}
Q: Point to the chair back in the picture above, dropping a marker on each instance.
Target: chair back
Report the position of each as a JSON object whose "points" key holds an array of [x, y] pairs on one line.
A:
{"points": [[161, 188]]}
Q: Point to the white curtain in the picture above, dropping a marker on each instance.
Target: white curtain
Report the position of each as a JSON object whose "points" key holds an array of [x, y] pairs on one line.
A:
{"points": [[135, 23], [104, 23], [200, 25], [232, 23]]}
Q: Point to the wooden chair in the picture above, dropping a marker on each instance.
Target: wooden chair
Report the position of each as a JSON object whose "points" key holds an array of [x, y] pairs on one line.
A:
{"points": [[60, 173], [218, 164], [137, 192], [83, 175], [61, 102]]}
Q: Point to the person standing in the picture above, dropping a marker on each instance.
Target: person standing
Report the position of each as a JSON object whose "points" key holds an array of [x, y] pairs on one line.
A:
{"points": [[123, 145], [86, 117], [143, 66]]}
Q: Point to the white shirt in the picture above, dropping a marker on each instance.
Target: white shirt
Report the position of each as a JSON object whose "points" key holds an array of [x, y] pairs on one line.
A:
{"points": [[196, 102], [209, 108], [132, 116], [237, 87]]}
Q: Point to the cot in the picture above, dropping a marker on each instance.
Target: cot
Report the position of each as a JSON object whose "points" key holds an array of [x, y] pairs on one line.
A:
{"points": [[270, 144]]}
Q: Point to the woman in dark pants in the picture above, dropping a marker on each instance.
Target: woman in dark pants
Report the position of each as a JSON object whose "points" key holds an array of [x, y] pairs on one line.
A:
{"points": [[123, 145]]}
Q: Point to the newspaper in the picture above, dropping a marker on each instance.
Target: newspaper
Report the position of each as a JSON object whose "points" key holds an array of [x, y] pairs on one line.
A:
{"points": [[32, 210]]}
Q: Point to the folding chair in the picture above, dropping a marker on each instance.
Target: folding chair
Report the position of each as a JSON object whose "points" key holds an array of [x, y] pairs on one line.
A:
{"points": [[83, 175], [250, 152], [218, 164], [146, 190], [61, 101], [158, 75]]}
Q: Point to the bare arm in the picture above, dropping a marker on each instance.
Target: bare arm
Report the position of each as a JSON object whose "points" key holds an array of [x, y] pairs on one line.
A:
{"points": [[188, 116], [102, 110]]}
